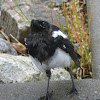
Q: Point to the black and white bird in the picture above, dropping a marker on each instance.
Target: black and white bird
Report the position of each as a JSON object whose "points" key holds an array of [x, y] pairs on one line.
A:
{"points": [[50, 48]]}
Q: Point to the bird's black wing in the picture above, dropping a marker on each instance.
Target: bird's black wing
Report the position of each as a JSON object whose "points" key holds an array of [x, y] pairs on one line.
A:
{"points": [[67, 46]]}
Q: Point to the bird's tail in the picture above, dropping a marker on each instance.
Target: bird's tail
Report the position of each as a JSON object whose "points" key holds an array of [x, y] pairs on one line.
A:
{"points": [[75, 57]]}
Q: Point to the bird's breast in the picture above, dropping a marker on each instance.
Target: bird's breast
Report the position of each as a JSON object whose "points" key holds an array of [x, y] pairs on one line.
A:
{"points": [[59, 59]]}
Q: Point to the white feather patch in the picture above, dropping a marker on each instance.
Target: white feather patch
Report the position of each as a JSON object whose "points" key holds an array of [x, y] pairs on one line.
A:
{"points": [[59, 33], [25, 39], [64, 46]]}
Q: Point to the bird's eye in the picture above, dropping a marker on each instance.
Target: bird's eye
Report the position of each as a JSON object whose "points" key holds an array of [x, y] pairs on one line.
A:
{"points": [[43, 25], [43, 22]]}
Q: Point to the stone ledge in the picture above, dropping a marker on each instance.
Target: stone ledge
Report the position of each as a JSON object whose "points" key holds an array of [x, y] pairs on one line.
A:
{"points": [[88, 89]]}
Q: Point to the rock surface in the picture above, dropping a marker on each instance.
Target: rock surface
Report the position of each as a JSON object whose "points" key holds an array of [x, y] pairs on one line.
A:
{"points": [[20, 69], [12, 23], [1, 36], [58, 2], [6, 47], [95, 36], [16, 69], [88, 90]]}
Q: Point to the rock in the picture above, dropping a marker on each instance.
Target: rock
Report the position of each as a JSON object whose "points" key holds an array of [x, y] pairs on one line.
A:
{"points": [[95, 35], [1, 3], [6, 47], [0, 11], [1, 36], [33, 2], [58, 2], [57, 74], [16, 69], [88, 89], [13, 24], [60, 74], [0, 21], [20, 69]]}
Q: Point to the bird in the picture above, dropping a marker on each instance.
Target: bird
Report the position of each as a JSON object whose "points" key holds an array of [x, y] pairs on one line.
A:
{"points": [[49, 48]]}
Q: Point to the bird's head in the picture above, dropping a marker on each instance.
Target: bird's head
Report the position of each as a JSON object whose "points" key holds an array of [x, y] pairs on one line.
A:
{"points": [[39, 26]]}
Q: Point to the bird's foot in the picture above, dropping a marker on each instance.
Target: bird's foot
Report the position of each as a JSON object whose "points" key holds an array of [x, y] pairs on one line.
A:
{"points": [[72, 92], [47, 97]]}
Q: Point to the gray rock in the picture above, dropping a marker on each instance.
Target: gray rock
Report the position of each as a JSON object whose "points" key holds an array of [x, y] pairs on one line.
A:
{"points": [[88, 89], [20, 69], [57, 74], [95, 36], [33, 2], [0, 3], [6, 47], [0, 12], [1, 36], [16, 69], [13, 24], [58, 2]]}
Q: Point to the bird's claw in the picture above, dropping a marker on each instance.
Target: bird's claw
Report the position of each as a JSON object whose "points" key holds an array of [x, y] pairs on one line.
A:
{"points": [[47, 97], [72, 92]]}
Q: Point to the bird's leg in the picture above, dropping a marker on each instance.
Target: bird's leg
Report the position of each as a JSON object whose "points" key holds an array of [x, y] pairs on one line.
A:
{"points": [[73, 90], [48, 95], [48, 73]]}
